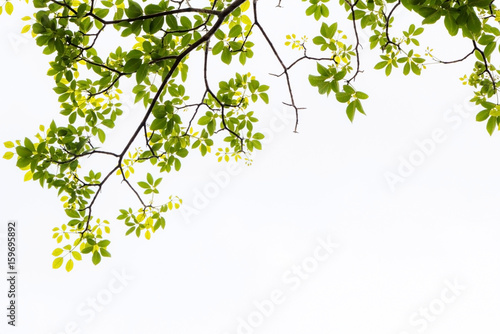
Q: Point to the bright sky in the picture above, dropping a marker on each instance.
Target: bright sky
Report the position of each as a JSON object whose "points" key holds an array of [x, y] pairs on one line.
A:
{"points": [[386, 225]]}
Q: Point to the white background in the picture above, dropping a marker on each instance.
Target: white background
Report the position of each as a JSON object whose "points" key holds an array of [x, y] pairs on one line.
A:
{"points": [[398, 249]]}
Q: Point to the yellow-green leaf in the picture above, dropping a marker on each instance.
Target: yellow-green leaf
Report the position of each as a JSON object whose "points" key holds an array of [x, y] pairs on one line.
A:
{"points": [[148, 234], [26, 18], [246, 20], [244, 7], [8, 155], [25, 29], [57, 262], [57, 251], [8, 144], [28, 176], [77, 255], [495, 111], [9, 8], [69, 265]]}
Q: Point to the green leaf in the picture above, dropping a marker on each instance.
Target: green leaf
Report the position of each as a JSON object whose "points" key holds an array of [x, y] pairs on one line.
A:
{"points": [[150, 179], [474, 24], [226, 56], [171, 21], [108, 123], [380, 65], [132, 65], [486, 39], [322, 70], [87, 249], [415, 69], [258, 136], [96, 258], [324, 10], [343, 97], [23, 152], [406, 69], [182, 153], [450, 24], [350, 111], [264, 97], [186, 23], [156, 24], [143, 184], [480, 3], [72, 213], [158, 181], [158, 123], [204, 120], [243, 58], [103, 243], [483, 115], [152, 9], [432, 18], [219, 34], [104, 252], [388, 70], [235, 31], [142, 72], [218, 47], [311, 9], [102, 135], [361, 95], [359, 107], [130, 230], [491, 125], [134, 10], [319, 40], [488, 50], [101, 12]]}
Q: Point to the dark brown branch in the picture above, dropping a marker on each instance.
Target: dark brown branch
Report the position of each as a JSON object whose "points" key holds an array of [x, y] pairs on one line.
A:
{"points": [[285, 70], [89, 207], [222, 105], [178, 60], [454, 61], [195, 112], [105, 90], [486, 65], [387, 19], [64, 4], [152, 16], [103, 66], [305, 56], [76, 156], [356, 48], [85, 184], [132, 188]]}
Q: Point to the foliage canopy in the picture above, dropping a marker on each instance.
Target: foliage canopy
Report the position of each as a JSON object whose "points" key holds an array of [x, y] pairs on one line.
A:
{"points": [[166, 35]]}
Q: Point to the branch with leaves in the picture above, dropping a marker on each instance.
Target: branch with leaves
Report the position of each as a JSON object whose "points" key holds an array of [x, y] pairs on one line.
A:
{"points": [[167, 35]]}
